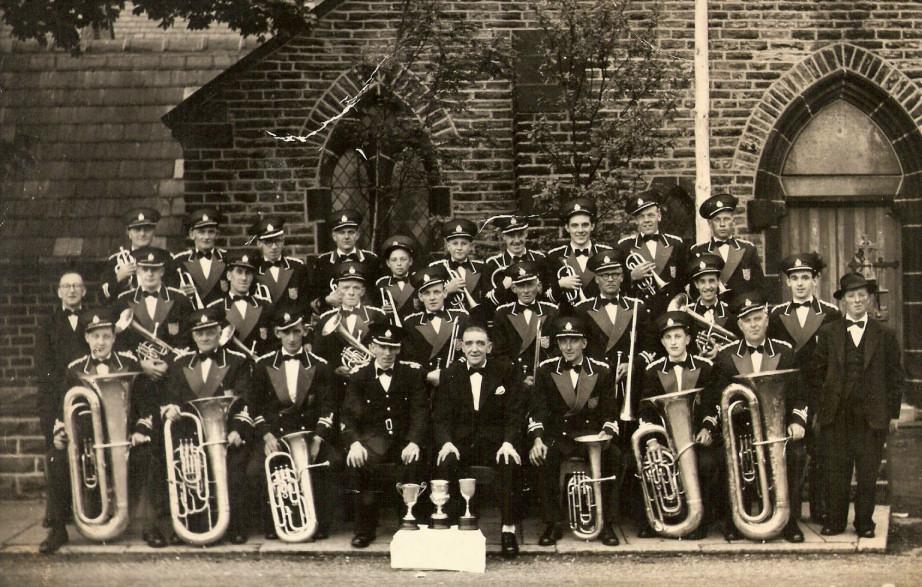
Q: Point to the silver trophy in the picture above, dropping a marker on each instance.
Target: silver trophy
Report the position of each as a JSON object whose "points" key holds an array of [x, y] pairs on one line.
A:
{"points": [[468, 489], [410, 492], [439, 497]]}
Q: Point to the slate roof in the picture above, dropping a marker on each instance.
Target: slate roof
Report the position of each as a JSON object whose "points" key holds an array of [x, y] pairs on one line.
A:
{"points": [[100, 147]]}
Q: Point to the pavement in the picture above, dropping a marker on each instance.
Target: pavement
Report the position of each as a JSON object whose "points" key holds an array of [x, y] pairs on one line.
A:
{"points": [[21, 532]]}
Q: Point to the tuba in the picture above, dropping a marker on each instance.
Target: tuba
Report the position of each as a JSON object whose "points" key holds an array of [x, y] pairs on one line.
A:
{"points": [[584, 493], [291, 495], [196, 469], [755, 453], [355, 355], [98, 458], [670, 483]]}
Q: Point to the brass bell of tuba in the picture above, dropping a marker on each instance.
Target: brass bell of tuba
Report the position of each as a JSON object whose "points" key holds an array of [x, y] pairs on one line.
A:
{"points": [[291, 494], [98, 458], [584, 491], [671, 489], [755, 452], [196, 467]]}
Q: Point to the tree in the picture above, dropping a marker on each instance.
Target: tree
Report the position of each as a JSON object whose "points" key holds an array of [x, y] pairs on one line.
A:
{"points": [[614, 93], [63, 20]]}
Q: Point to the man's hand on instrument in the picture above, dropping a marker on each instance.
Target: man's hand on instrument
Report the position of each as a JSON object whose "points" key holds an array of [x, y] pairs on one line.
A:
{"points": [[270, 443], [334, 298], [123, 272], [704, 437], [507, 451], [410, 453], [707, 346], [570, 282], [233, 438], [796, 431], [137, 438], [507, 282], [59, 436], [538, 452], [654, 447], [455, 285], [642, 270], [894, 425], [622, 372], [189, 290], [545, 342], [529, 381], [432, 377], [357, 456], [171, 413], [154, 368], [447, 449]]}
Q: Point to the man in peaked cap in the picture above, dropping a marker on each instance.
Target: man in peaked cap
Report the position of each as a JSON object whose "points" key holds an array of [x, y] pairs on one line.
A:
{"points": [[246, 312], [398, 253], [199, 270], [742, 268], [466, 272], [573, 281], [514, 233], [119, 269], [704, 275], [278, 276]]}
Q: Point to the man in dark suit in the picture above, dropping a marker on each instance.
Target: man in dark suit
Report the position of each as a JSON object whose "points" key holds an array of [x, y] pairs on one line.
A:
{"points": [[292, 392], [514, 233], [756, 353], [203, 262], [282, 277], [384, 426], [859, 379], [742, 268], [478, 412], [574, 396]]}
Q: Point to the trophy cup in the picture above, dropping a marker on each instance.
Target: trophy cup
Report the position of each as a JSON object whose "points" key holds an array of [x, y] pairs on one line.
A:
{"points": [[439, 496], [468, 488], [410, 492]]}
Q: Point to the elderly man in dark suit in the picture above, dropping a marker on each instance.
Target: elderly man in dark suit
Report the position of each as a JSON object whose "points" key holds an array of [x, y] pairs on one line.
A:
{"points": [[858, 376]]}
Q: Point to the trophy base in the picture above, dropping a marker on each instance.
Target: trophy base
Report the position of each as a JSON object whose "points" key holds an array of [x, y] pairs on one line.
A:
{"points": [[468, 523], [439, 523], [409, 525]]}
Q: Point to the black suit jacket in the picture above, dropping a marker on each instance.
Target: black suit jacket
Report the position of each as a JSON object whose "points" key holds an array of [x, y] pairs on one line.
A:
{"points": [[882, 382], [742, 270], [56, 345], [511, 332], [785, 326], [501, 414], [659, 379], [671, 260], [557, 410]]}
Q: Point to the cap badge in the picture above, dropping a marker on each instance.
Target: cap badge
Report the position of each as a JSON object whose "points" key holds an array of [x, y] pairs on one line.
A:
{"points": [[150, 257], [351, 270], [577, 207], [522, 271], [798, 263], [569, 326], [204, 217], [269, 228], [459, 229], [287, 316], [426, 277], [245, 259], [344, 218], [606, 259], [702, 265], [95, 319], [719, 204], [513, 222], [141, 216], [395, 243], [747, 303], [388, 333], [640, 201], [204, 319], [670, 322]]}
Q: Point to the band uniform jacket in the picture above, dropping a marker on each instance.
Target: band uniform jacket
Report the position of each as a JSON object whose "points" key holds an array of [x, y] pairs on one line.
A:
{"points": [[606, 338], [659, 378], [718, 314], [229, 375], [252, 326], [742, 268], [671, 259], [320, 275], [170, 311], [784, 325], [56, 345], [558, 410], [288, 283], [476, 280], [882, 382], [734, 359], [495, 268], [401, 291], [563, 255], [427, 347], [209, 287], [143, 401], [382, 420], [330, 347], [273, 409], [514, 338], [109, 285], [500, 412]]}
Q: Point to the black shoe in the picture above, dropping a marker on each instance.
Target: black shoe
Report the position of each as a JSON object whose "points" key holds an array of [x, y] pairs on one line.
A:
{"points": [[792, 533], [608, 537], [57, 537], [46, 522], [237, 537], [552, 533], [509, 544], [866, 533], [154, 538], [646, 531], [321, 534], [731, 533], [361, 540], [174, 539], [830, 531], [699, 533], [271, 534]]}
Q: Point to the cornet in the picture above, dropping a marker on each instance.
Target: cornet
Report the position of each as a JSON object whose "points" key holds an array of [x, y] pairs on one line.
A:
{"points": [[152, 348], [653, 282], [720, 335], [468, 298], [355, 355], [387, 301], [262, 293], [185, 280], [123, 258], [573, 295]]}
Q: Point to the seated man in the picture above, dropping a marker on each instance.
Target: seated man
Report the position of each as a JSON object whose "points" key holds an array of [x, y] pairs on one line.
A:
{"points": [[384, 418], [478, 413], [574, 395]]}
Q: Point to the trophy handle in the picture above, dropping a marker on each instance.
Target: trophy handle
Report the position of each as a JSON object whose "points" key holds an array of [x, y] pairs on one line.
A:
{"points": [[422, 488]]}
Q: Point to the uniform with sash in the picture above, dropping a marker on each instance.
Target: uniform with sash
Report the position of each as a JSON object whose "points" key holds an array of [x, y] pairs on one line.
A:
{"points": [[496, 269], [250, 318], [608, 323], [401, 291], [161, 313], [110, 286], [285, 280], [321, 271], [742, 268], [356, 321]]}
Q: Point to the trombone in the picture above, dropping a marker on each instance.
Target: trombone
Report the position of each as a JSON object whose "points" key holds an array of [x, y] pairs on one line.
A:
{"points": [[387, 300], [627, 406], [185, 280], [653, 282]]}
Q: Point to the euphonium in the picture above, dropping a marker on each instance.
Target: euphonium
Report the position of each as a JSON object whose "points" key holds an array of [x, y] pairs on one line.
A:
{"points": [[197, 472], [291, 494], [670, 484], [584, 492], [762, 397], [356, 354], [721, 335], [652, 283], [107, 399]]}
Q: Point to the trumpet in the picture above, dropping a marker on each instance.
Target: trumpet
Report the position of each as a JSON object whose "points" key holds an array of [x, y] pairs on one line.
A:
{"points": [[715, 332], [669, 478], [627, 405], [355, 355], [468, 298], [573, 295], [755, 455], [584, 492], [653, 282], [196, 468], [98, 461], [387, 300], [185, 280], [291, 495]]}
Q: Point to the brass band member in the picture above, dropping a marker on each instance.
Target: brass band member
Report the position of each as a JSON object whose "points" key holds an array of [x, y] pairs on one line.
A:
{"points": [[755, 353], [204, 262], [468, 272], [282, 276], [398, 252], [292, 391], [118, 273], [478, 410], [248, 314], [211, 371], [679, 370], [514, 233], [655, 261], [517, 325], [742, 268], [345, 231], [798, 322], [384, 419], [574, 281], [859, 377], [574, 395], [704, 273]]}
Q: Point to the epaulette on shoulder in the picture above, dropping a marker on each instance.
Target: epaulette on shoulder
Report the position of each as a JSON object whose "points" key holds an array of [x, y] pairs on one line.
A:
{"points": [[778, 306], [549, 304], [548, 361], [495, 258], [328, 312], [261, 358], [317, 357], [214, 302], [180, 353], [632, 300], [506, 305], [221, 251], [828, 305], [127, 354], [475, 262], [539, 254], [76, 362], [367, 252], [673, 237], [604, 247], [411, 364], [782, 342], [624, 239], [704, 360], [745, 242], [236, 353], [294, 260], [587, 301], [658, 361], [326, 254], [376, 309], [556, 249], [598, 362], [126, 292], [460, 311], [413, 315], [186, 253]]}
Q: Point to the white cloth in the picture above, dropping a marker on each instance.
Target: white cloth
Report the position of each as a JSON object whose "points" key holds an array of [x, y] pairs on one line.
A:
{"points": [[528, 314], [574, 377], [350, 323], [274, 271], [612, 311], [462, 271], [436, 324], [857, 333], [241, 306], [724, 250], [756, 362], [150, 303], [206, 266], [291, 378], [102, 369], [651, 246], [476, 383], [206, 369], [73, 322], [679, 371]]}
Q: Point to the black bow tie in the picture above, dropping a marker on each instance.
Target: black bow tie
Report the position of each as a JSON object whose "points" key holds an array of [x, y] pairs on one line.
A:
{"points": [[204, 254], [686, 364], [98, 362], [212, 354], [719, 243], [568, 366], [515, 259], [430, 316], [475, 370], [395, 279], [850, 323], [455, 265], [349, 257], [239, 297], [807, 304], [69, 312], [702, 308], [610, 301], [379, 372], [151, 294], [346, 313], [580, 252], [756, 349], [650, 237], [273, 263], [286, 357]]}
